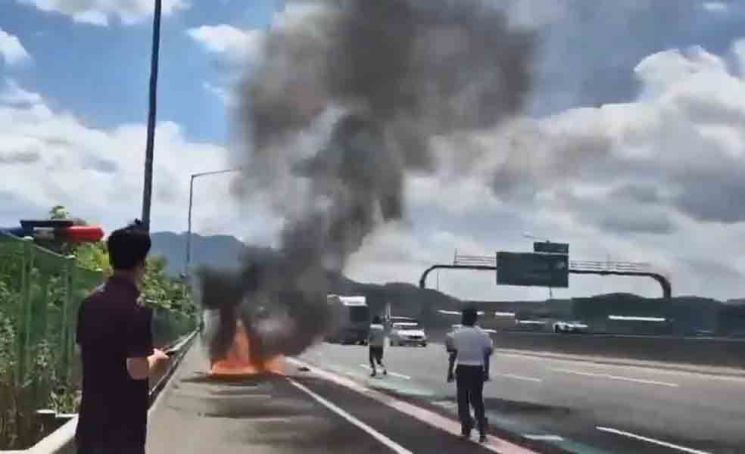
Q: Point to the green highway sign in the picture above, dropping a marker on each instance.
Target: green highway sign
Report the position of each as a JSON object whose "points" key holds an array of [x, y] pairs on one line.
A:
{"points": [[530, 269], [547, 247]]}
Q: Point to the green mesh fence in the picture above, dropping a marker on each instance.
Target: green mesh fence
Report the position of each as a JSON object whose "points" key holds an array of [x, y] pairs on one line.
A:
{"points": [[40, 292]]}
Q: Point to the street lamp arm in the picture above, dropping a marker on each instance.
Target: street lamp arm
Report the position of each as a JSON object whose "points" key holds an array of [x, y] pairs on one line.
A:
{"points": [[194, 176], [215, 172]]}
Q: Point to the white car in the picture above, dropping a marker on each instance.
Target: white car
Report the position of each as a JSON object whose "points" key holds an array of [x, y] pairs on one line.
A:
{"points": [[407, 333], [570, 327]]}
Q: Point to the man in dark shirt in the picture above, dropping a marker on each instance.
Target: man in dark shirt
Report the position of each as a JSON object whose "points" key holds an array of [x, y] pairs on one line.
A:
{"points": [[118, 356]]}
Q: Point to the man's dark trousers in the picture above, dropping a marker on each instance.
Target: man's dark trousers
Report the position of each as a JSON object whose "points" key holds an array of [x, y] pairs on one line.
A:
{"points": [[470, 384], [376, 356]]}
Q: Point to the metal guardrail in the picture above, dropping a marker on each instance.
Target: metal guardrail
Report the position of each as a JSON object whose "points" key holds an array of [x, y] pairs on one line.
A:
{"points": [[586, 265], [474, 260], [579, 265], [62, 440], [180, 347]]}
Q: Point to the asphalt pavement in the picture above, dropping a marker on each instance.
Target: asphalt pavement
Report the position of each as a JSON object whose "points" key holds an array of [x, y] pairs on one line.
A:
{"points": [[303, 410], [577, 406]]}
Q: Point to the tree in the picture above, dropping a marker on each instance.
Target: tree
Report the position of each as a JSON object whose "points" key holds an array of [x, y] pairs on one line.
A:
{"points": [[93, 256], [164, 292], [159, 290], [59, 212]]}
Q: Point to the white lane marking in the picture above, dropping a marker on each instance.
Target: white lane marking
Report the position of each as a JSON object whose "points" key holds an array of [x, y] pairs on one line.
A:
{"points": [[445, 404], [396, 374], [651, 440], [493, 443], [395, 447], [617, 377], [393, 374], [539, 437], [520, 377]]}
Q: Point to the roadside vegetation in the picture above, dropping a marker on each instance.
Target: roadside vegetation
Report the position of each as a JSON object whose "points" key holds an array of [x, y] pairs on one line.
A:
{"points": [[47, 381]]}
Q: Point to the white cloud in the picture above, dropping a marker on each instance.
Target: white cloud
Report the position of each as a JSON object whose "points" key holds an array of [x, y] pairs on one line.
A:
{"points": [[658, 72], [101, 12], [49, 157], [738, 52], [657, 179], [14, 95], [12, 51], [246, 46], [716, 7], [684, 136], [534, 13], [230, 43], [92, 17], [225, 95], [215, 90], [456, 196]]}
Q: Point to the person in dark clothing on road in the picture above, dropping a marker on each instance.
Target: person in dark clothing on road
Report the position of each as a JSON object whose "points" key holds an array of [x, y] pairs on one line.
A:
{"points": [[470, 347], [117, 353], [376, 341]]}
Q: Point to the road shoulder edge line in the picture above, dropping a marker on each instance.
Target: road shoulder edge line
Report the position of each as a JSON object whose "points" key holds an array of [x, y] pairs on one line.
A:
{"points": [[494, 443]]}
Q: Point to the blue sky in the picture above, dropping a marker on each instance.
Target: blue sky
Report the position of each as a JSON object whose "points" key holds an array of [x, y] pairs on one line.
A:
{"points": [[634, 132], [101, 72]]}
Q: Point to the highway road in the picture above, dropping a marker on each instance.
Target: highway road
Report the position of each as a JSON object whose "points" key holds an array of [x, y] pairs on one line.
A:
{"points": [[303, 411], [577, 406]]}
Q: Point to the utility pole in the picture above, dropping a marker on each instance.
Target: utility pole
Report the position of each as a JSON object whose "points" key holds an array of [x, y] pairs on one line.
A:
{"points": [[187, 262], [147, 191]]}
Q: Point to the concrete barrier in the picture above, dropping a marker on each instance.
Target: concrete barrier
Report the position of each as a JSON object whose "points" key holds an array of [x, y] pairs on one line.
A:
{"points": [[721, 352]]}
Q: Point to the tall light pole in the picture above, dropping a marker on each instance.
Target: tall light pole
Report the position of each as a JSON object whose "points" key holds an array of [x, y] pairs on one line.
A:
{"points": [[194, 176], [147, 191]]}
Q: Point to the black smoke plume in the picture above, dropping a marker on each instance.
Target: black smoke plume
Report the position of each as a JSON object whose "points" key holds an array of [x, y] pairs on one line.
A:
{"points": [[341, 107]]}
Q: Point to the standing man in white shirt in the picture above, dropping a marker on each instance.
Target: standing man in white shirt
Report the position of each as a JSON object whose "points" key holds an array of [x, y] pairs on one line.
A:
{"points": [[376, 341], [470, 347]]}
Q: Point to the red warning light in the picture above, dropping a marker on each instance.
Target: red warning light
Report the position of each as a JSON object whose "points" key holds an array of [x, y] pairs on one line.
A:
{"points": [[81, 234]]}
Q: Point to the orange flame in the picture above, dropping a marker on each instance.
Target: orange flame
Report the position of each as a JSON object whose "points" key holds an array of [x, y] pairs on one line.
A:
{"points": [[238, 361]]}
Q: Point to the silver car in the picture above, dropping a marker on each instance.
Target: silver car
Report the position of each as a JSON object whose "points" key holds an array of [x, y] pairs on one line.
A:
{"points": [[407, 333]]}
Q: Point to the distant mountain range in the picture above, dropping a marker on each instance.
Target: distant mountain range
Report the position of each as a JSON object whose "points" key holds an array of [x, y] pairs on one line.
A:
{"points": [[221, 251], [686, 314], [214, 251]]}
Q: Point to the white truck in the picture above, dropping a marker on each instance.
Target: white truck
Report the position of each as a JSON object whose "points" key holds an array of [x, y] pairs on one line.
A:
{"points": [[351, 319]]}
